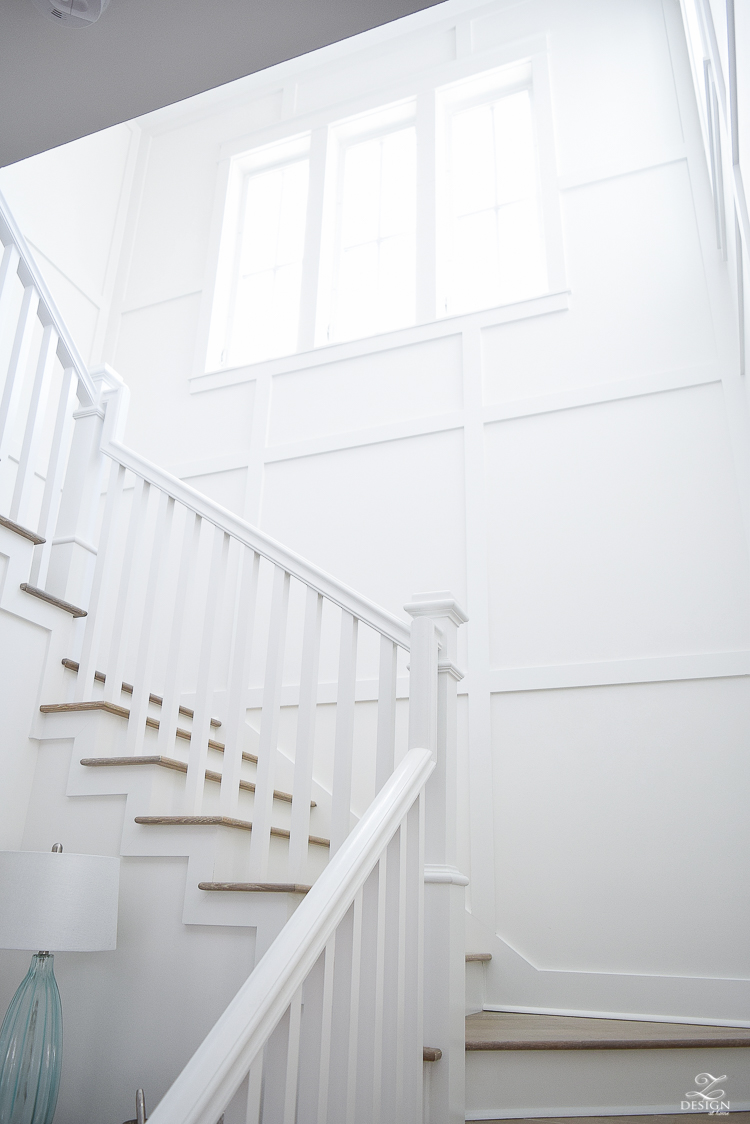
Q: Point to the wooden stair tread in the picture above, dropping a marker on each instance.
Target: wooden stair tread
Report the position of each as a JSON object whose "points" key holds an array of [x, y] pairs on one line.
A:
{"points": [[501, 1030], [180, 767], [256, 887], [431, 1054], [23, 531], [127, 689], [478, 957], [44, 596], [124, 712], [220, 821]]}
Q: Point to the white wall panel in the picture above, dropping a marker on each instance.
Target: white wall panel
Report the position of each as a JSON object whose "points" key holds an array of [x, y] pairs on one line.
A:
{"points": [[387, 519], [416, 381], [169, 251], [226, 488], [622, 833], [639, 297], [615, 532], [167, 424], [613, 88], [66, 200], [369, 70]]}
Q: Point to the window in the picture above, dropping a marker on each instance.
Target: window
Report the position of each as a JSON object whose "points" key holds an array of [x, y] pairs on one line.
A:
{"points": [[376, 236], [439, 204], [265, 308], [493, 242]]}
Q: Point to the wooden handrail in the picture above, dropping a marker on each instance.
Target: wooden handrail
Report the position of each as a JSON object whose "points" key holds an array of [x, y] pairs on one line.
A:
{"points": [[48, 312], [216, 1069]]}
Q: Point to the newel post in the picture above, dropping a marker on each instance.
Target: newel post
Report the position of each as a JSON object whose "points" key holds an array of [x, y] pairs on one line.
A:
{"points": [[73, 550], [434, 678]]}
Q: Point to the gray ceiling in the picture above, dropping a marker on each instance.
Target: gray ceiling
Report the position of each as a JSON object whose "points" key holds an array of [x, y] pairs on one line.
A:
{"points": [[58, 83]]}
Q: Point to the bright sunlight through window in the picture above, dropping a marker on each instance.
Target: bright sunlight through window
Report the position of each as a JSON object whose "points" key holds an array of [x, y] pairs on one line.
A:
{"points": [[375, 283], [269, 267], [495, 245]]}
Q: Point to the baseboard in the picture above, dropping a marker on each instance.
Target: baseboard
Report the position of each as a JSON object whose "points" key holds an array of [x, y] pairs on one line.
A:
{"points": [[607, 1110], [627, 1015], [513, 983]]}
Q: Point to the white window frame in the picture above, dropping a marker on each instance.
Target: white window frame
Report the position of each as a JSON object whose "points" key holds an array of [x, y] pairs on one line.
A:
{"points": [[240, 168], [324, 130]]}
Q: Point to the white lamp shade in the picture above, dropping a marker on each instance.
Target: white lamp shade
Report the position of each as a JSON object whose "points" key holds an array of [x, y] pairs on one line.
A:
{"points": [[58, 902]]}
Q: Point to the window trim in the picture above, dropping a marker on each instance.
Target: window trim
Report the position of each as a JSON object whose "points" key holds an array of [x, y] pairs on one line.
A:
{"points": [[318, 127]]}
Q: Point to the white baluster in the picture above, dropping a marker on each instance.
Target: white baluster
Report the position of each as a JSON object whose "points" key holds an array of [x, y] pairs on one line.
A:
{"points": [[34, 423], [401, 976], [377, 1053], [414, 962], [354, 997], [254, 1090], [144, 665], [54, 479], [269, 726], [386, 736], [8, 271], [305, 747], [239, 675], [118, 646], [170, 708], [432, 716], [95, 618], [292, 1058], [344, 740], [198, 758], [326, 1029], [17, 366]]}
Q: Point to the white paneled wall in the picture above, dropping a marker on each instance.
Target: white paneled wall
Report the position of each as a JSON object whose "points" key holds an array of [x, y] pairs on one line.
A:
{"points": [[574, 468]]}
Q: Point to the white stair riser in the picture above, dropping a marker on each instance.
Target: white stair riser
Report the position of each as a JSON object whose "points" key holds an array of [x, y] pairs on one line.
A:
{"points": [[502, 1084], [475, 986]]}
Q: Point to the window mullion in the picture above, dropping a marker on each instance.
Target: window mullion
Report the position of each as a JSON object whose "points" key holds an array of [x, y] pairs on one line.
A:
{"points": [[426, 231], [309, 289]]}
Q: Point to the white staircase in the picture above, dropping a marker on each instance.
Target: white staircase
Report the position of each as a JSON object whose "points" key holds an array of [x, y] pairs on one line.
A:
{"points": [[261, 721], [274, 757]]}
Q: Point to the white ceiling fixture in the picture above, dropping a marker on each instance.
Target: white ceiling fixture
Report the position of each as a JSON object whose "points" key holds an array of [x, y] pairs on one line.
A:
{"points": [[73, 13]]}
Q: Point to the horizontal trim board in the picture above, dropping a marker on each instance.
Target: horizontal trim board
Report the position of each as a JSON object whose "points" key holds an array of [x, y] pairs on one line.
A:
{"points": [[591, 178], [600, 393], [395, 431], [605, 673], [388, 341]]}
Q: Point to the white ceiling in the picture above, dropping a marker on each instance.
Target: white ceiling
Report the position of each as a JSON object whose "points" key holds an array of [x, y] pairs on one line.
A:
{"points": [[58, 83]]}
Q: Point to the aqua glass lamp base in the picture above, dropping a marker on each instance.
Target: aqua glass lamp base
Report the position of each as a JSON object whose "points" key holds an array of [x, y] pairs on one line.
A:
{"points": [[31, 1047]]}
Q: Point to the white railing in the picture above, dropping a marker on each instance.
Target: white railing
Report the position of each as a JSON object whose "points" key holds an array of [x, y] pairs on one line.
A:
{"points": [[43, 381], [335, 1001], [284, 700]]}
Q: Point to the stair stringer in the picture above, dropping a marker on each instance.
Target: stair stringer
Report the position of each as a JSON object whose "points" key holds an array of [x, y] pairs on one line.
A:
{"points": [[213, 853], [513, 983]]}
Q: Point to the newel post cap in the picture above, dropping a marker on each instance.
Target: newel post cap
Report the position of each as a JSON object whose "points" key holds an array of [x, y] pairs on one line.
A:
{"points": [[438, 604]]}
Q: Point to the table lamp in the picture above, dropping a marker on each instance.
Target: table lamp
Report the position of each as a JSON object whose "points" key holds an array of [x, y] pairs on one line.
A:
{"points": [[58, 903]]}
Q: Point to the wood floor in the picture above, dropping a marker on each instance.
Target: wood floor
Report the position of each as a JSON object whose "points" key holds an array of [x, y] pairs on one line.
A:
{"points": [[676, 1118], [494, 1030]]}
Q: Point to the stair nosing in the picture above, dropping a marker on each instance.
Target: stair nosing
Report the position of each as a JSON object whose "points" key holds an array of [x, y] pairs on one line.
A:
{"points": [[256, 887], [220, 821], [180, 767], [25, 533], [42, 594]]}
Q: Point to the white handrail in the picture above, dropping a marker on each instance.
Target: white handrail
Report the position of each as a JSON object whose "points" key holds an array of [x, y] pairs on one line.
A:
{"points": [[49, 310], [216, 1069], [340, 594]]}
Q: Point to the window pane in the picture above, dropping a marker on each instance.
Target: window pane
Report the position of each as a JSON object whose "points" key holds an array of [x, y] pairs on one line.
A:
{"points": [[496, 252], [376, 268], [266, 305]]}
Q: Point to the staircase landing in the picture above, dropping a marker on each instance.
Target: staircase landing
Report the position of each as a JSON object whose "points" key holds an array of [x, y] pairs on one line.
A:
{"points": [[500, 1030]]}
